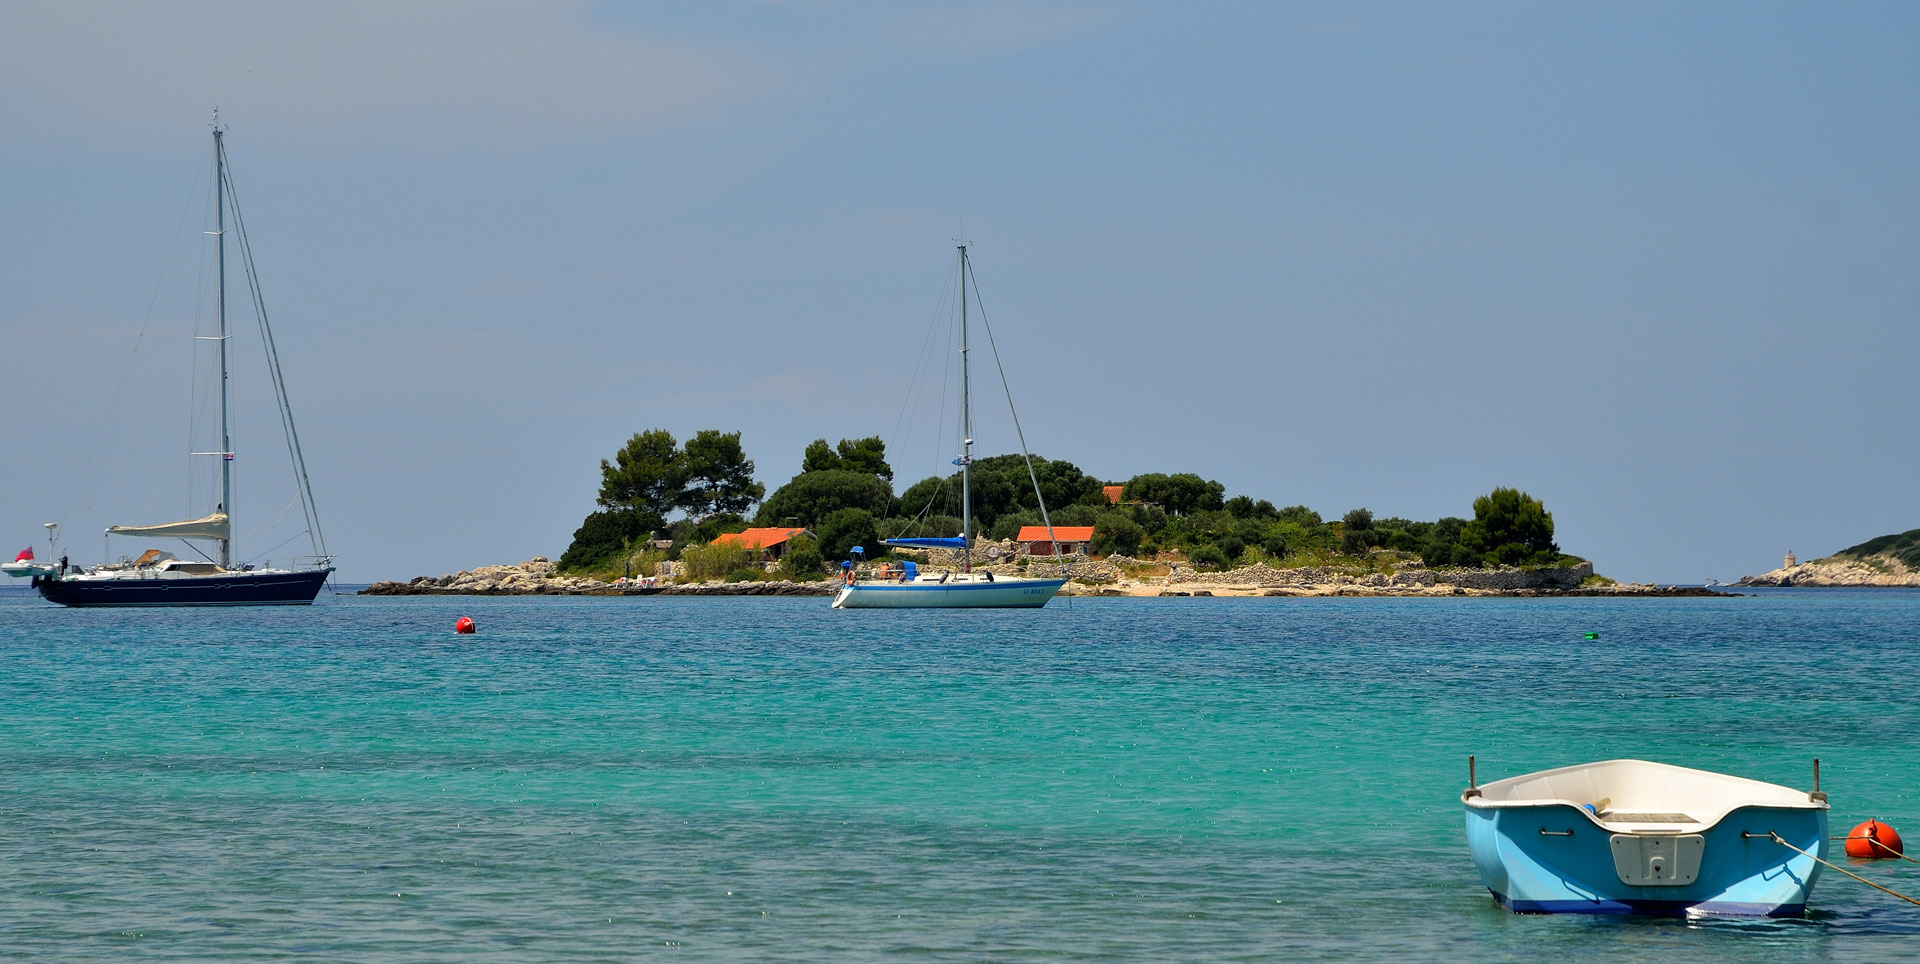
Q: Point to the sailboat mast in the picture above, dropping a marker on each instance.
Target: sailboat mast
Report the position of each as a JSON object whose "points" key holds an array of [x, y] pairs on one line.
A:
{"points": [[966, 430], [220, 300]]}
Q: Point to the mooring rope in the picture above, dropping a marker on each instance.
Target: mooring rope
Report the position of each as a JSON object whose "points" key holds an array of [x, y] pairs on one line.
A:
{"points": [[1888, 851], [1782, 842]]}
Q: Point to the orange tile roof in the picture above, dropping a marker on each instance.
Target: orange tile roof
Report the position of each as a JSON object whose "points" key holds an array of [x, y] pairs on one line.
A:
{"points": [[1114, 492], [757, 538], [1062, 533]]}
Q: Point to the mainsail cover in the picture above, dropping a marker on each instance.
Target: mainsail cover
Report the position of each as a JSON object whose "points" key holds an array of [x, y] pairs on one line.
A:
{"points": [[950, 542], [214, 526]]}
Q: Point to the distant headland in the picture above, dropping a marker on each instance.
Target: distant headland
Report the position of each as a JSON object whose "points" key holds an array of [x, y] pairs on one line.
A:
{"points": [[1891, 561]]}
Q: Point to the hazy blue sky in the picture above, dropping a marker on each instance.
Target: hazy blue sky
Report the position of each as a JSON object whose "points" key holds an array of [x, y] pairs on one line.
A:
{"points": [[1654, 263]]}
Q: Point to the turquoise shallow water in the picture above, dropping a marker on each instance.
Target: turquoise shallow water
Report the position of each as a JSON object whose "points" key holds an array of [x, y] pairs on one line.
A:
{"points": [[700, 779]]}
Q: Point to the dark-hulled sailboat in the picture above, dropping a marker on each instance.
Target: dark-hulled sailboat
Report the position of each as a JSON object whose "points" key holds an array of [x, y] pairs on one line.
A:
{"points": [[157, 578]]}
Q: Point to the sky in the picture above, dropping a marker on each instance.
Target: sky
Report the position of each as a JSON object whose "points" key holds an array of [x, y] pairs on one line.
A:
{"points": [[1654, 263]]}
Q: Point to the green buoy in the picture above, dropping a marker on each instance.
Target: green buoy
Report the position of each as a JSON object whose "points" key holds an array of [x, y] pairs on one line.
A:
{"points": [[1593, 635]]}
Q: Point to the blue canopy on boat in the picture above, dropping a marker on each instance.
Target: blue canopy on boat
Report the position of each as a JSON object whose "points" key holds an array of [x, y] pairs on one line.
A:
{"points": [[931, 542]]}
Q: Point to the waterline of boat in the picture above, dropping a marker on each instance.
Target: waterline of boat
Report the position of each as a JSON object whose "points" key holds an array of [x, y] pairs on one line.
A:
{"points": [[972, 590]]}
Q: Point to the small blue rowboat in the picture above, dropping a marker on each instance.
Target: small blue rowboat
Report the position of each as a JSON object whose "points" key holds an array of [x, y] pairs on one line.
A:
{"points": [[1632, 837]]}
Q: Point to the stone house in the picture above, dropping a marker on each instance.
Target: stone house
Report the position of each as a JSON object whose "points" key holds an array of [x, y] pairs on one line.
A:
{"points": [[1034, 541], [765, 544]]}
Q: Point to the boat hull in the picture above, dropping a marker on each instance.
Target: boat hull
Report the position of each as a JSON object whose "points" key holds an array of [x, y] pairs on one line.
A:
{"points": [[226, 589], [1553, 858], [925, 594]]}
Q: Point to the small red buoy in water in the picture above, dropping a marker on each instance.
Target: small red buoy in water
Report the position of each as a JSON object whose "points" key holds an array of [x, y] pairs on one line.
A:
{"points": [[463, 625], [1873, 839]]}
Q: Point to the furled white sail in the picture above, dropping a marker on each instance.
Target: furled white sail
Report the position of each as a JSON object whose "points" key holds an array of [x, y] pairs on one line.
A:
{"points": [[214, 526]]}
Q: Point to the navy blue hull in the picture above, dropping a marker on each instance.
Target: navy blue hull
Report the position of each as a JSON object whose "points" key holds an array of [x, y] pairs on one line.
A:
{"points": [[231, 589]]}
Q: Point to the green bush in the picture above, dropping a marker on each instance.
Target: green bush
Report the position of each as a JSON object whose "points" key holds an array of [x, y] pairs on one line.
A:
{"points": [[840, 531], [931, 527], [1117, 532], [1079, 514], [1180, 493], [1207, 558], [1231, 547], [813, 496], [1356, 542], [1511, 528], [1300, 515], [802, 562], [1904, 546], [701, 563], [1274, 545], [747, 574], [605, 534], [1010, 524], [1243, 507], [714, 526]]}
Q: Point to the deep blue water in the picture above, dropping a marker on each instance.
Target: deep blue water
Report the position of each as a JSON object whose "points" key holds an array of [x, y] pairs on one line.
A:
{"points": [[767, 779]]}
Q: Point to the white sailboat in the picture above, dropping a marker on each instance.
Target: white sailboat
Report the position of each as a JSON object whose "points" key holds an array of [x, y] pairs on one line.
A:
{"points": [[966, 588], [158, 578]]}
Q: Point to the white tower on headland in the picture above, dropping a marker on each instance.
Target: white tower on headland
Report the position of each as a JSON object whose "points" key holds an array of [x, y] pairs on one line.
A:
{"points": [[1790, 560]]}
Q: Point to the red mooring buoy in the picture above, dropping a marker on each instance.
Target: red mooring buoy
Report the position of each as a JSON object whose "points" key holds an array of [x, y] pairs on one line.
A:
{"points": [[465, 625], [1873, 839]]}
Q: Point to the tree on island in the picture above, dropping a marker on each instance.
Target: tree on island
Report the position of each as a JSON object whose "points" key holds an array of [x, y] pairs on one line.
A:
{"points": [[1511, 528], [999, 486], [852, 455], [651, 476], [855, 475], [1181, 493], [1357, 535], [719, 475], [647, 475], [802, 560], [846, 528], [844, 492], [1116, 532]]}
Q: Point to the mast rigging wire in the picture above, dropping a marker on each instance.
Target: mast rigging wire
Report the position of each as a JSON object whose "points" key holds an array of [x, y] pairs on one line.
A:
{"points": [[294, 452], [1017, 431]]}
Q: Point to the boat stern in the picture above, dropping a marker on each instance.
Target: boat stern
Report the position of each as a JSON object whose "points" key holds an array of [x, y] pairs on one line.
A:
{"points": [[1560, 858]]}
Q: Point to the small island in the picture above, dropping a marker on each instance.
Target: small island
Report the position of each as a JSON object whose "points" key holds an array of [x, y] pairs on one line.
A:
{"points": [[1890, 561], [673, 521]]}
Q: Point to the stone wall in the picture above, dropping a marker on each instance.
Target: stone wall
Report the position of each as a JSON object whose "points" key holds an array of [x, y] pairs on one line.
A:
{"points": [[536, 577], [1496, 580], [1075, 567]]}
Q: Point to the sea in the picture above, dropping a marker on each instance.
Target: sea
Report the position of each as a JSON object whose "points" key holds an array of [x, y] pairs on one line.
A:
{"points": [[698, 779]]}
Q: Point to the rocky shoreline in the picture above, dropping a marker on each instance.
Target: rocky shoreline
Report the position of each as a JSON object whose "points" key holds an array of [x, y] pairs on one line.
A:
{"points": [[1840, 572], [1116, 576], [538, 577]]}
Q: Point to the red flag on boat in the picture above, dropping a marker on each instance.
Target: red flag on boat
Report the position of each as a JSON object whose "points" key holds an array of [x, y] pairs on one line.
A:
{"points": [[26, 555]]}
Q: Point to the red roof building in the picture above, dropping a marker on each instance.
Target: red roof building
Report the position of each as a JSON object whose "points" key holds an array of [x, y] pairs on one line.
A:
{"points": [[1114, 492], [768, 543], [1033, 539]]}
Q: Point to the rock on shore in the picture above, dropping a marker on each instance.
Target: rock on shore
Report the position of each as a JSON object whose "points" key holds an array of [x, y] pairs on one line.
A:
{"points": [[1261, 580], [538, 577], [1115, 576]]}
